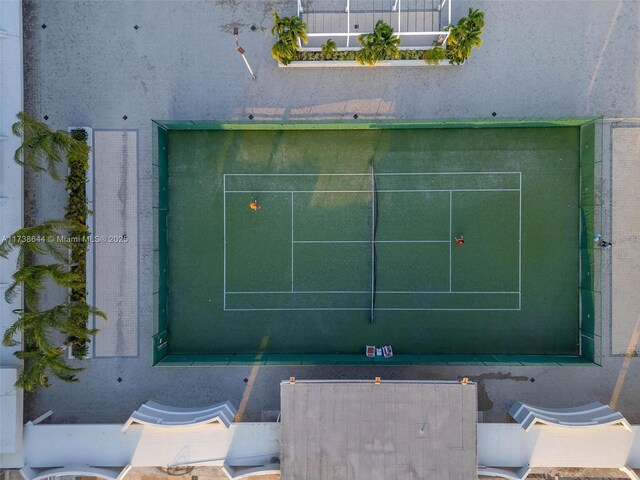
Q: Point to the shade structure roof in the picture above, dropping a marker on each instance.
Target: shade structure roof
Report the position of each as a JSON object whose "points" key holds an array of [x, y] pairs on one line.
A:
{"points": [[355, 430]]}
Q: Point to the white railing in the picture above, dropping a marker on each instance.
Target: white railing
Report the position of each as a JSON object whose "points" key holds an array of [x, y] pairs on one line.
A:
{"points": [[410, 40], [348, 21], [329, 14]]}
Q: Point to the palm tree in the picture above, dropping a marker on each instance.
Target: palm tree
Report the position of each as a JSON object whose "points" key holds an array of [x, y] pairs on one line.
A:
{"points": [[37, 366], [378, 45], [475, 19], [48, 238], [328, 49], [284, 52], [464, 36], [42, 149], [289, 31], [36, 327], [31, 279]]}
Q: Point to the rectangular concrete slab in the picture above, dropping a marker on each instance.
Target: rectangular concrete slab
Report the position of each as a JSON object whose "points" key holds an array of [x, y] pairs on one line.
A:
{"points": [[116, 242], [354, 430], [625, 302]]}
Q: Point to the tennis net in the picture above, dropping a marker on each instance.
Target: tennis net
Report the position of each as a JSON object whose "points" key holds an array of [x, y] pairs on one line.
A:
{"points": [[374, 226]]}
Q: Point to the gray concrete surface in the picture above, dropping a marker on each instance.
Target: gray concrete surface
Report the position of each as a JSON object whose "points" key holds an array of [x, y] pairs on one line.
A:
{"points": [[625, 262], [116, 279], [91, 67], [360, 430]]}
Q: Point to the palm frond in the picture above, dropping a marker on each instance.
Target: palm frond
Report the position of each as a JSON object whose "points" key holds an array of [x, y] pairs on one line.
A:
{"points": [[48, 238], [288, 30], [42, 149], [278, 26], [435, 55], [378, 45], [31, 278], [464, 36], [37, 366], [283, 52], [328, 48]]}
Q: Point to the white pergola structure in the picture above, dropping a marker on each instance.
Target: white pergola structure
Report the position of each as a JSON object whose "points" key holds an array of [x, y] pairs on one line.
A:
{"points": [[420, 24]]}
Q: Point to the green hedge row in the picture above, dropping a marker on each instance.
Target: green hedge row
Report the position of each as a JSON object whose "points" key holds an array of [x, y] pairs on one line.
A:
{"points": [[351, 55], [77, 213]]}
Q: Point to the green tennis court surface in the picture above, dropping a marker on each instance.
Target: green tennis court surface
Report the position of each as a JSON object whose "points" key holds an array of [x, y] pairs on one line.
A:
{"points": [[331, 243], [311, 244]]}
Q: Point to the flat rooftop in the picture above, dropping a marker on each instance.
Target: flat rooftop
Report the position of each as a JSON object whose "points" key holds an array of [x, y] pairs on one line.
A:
{"points": [[145, 73], [362, 430]]}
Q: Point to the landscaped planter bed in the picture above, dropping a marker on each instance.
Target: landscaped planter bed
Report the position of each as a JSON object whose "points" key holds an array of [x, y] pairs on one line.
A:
{"points": [[353, 63], [378, 48]]}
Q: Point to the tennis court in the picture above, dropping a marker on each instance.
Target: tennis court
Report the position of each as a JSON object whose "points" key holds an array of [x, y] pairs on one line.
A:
{"points": [[352, 242], [372, 241]]}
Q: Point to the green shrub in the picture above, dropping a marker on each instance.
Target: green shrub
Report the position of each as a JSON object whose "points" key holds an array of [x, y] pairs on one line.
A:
{"points": [[328, 49], [410, 54], [79, 134], [77, 212], [284, 52], [350, 55], [434, 56], [464, 36], [378, 45], [288, 31]]}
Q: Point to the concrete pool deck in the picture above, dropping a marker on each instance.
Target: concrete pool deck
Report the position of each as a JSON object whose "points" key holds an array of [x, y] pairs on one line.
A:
{"points": [[90, 66]]}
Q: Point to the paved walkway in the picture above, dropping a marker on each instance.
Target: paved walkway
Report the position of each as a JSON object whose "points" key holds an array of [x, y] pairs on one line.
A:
{"points": [[116, 242], [625, 314]]}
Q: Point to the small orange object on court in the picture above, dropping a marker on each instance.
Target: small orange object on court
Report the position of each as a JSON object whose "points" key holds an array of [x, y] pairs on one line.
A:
{"points": [[253, 205]]}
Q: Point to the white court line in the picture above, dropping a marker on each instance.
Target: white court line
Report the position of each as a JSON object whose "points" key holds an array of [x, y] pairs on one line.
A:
{"points": [[380, 241], [292, 241], [369, 241], [288, 309], [450, 217], [451, 309], [387, 292], [224, 243], [447, 173], [332, 241], [412, 241], [367, 309], [520, 247], [332, 292], [445, 292], [373, 240], [380, 191], [362, 174]]}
